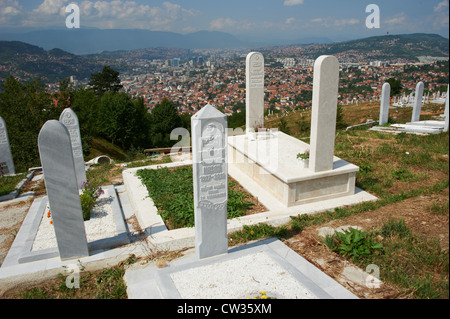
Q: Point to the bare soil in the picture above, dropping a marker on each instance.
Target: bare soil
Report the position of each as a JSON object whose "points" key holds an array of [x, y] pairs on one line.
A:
{"points": [[11, 218], [417, 216]]}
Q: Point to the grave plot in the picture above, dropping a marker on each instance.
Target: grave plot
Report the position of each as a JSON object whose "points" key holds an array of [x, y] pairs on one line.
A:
{"points": [[270, 158], [172, 191], [416, 126], [54, 225]]}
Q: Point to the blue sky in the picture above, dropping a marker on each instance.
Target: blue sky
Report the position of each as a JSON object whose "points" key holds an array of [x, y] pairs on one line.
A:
{"points": [[258, 19]]}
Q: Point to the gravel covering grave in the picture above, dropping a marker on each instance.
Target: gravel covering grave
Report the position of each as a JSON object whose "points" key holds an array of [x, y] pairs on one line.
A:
{"points": [[243, 277], [100, 226]]}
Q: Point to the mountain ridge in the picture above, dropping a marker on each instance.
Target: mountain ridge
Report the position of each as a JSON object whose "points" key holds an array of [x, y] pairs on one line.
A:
{"points": [[89, 41], [54, 64]]}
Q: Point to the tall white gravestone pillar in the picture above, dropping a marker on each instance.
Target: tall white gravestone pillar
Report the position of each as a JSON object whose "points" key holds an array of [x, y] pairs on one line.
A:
{"points": [[6, 160], [57, 162], [446, 111], [384, 106], [417, 102], [70, 121], [323, 113], [254, 99], [210, 175]]}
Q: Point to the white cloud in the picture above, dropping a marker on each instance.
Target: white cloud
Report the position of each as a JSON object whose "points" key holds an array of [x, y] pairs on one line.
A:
{"points": [[344, 22], [51, 7], [9, 7], [10, 10], [442, 6], [441, 15], [400, 18], [292, 2], [98, 13], [290, 20], [222, 23], [332, 22]]}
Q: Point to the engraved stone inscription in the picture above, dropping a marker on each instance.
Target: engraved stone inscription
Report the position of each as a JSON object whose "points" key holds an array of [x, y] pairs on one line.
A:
{"points": [[70, 121], [256, 71], [212, 177]]}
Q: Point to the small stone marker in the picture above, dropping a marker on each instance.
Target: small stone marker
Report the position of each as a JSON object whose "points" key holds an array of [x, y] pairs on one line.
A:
{"points": [[323, 114], [70, 120], [210, 175], [57, 162], [384, 106], [254, 99], [6, 160], [446, 111], [417, 102]]}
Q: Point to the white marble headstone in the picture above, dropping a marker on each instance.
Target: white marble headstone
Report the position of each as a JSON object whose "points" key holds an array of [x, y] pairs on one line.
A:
{"points": [[446, 111], [323, 114], [6, 160], [417, 102], [57, 162], [254, 74], [70, 120], [210, 175], [384, 106]]}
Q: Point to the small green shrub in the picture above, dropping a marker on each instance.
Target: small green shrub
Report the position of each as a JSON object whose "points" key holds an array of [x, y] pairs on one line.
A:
{"points": [[88, 198], [353, 243]]}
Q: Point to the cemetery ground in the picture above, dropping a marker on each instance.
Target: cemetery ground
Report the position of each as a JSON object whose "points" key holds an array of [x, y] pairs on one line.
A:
{"points": [[408, 173]]}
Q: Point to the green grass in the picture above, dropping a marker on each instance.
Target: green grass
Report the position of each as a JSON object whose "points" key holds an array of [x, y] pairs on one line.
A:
{"points": [[105, 284], [172, 193], [9, 183], [440, 208], [259, 231], [415, 264]]}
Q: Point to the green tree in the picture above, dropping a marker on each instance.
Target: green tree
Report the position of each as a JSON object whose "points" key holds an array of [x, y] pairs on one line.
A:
{"points": [[122, 120], [237, 119], [107, 80], [86, 105], [340, 123], [164, 118], [396, 86], [25, 108]]}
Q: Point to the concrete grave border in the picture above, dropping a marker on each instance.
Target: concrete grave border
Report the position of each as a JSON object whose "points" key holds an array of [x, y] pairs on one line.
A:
{"points": [[163, 239], [157, 283], [20, 251], [19, 186]]}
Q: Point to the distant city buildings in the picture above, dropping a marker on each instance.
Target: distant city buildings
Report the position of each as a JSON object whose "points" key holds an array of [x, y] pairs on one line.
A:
{"points": [[194, 78], [220, 81]]}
